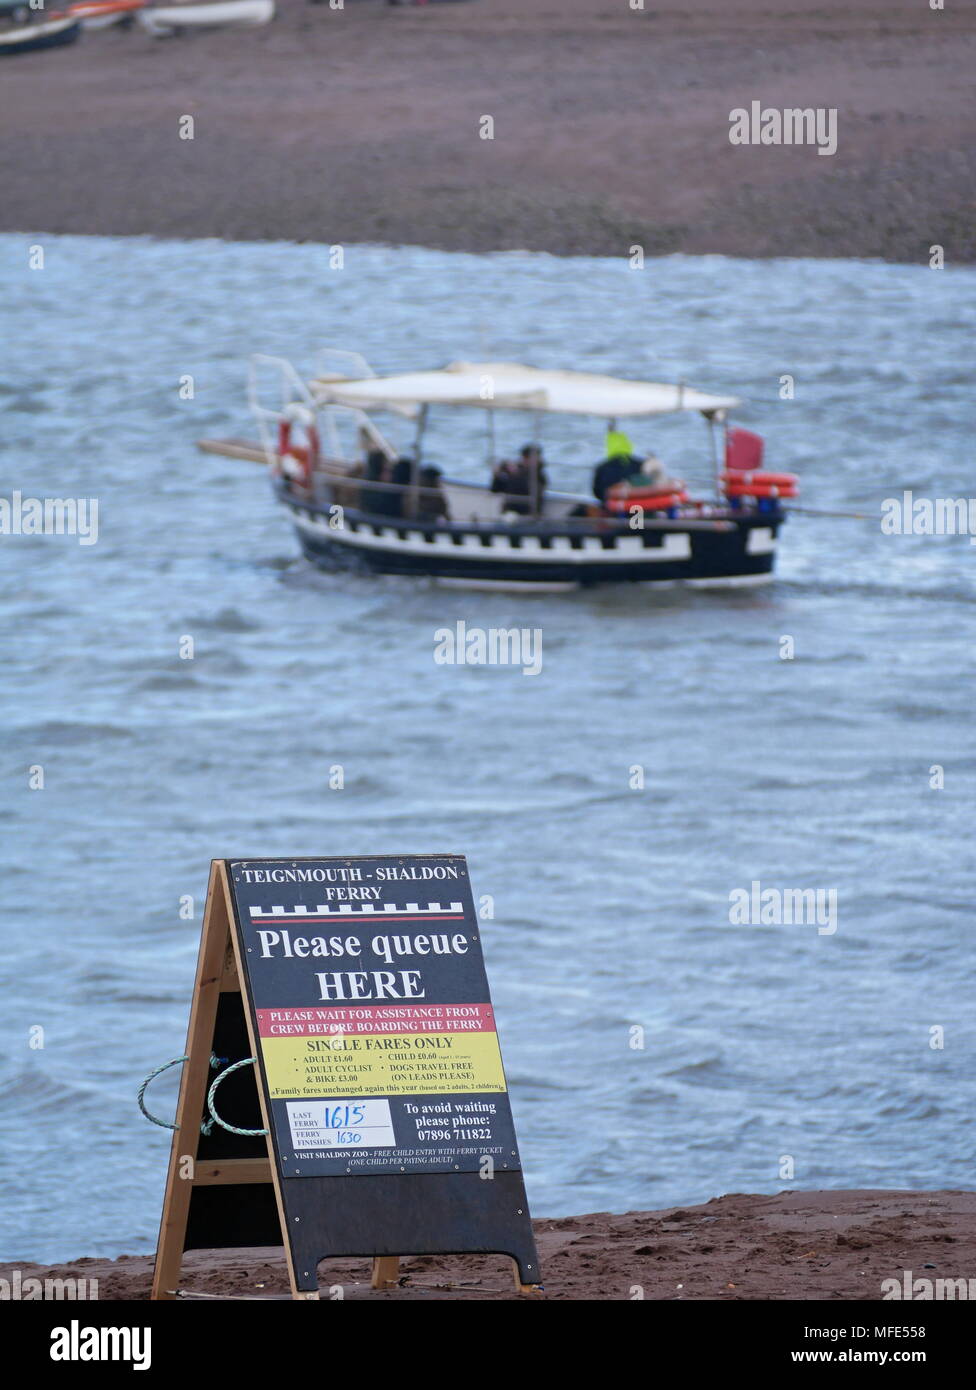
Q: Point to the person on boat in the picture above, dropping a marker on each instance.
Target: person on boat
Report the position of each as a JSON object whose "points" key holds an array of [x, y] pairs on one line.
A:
{"points": [[617, 444], [379, 500], [503, 477], [402, 475], [431, 501], [619, 465], [532, 465], [523, 482]]}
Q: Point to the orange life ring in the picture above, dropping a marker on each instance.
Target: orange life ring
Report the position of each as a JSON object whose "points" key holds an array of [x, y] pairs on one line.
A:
{"points": [[760, 484], [305, 455], [761, 478], [757, 492], [652, 498], [661, 502]]}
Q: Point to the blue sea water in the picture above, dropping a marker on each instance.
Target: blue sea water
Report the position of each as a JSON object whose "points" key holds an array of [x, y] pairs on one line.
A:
{"points": [[611, 904]]}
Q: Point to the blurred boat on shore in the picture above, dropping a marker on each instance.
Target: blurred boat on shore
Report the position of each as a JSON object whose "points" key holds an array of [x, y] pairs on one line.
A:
{"points": [[30, 37], [102, 14], [164, 20]]}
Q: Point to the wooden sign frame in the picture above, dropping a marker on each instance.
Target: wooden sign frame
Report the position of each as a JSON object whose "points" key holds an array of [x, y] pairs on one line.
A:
{"points": [[225, 1190]]}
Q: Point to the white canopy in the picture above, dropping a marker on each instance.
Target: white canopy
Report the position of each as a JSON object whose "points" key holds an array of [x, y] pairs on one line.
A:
{"points": [[508, 386]]}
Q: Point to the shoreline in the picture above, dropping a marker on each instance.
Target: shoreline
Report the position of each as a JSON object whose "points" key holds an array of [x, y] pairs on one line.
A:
{"points": [[611, 130], [152, 237], [819, 1244]]}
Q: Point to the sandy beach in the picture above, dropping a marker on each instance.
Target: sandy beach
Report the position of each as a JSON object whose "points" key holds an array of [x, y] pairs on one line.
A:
{"points": [[795, 1245], [611, 127]]}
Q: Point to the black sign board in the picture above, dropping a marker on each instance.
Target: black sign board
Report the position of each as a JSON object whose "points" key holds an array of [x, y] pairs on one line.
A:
{"points": [[360, 986], [375, 1026]]}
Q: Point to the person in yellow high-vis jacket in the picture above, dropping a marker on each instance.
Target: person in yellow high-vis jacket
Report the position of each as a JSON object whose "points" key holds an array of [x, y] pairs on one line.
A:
{"points": [[619, 462]]}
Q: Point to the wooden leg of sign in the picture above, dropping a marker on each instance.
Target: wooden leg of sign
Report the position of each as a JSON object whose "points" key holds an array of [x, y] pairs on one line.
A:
{"points": [[522, 1288], [386, 1271], [211, 966], [266, 1122]]}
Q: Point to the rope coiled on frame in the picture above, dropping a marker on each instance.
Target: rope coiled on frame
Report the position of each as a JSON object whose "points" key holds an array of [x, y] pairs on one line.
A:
{"points": [[215, 1062]]}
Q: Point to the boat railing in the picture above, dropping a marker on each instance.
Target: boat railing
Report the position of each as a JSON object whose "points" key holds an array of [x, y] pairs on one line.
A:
{"points": [[368, 433], [339, 483], [333, 470], [327, 356], [291, 389]]}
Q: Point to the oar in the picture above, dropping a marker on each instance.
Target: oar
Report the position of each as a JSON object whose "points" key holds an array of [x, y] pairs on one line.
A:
{"points": [[246, 449]]}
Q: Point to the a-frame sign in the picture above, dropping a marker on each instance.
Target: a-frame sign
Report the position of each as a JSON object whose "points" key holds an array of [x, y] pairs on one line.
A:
{"points": [[377, 1106]]}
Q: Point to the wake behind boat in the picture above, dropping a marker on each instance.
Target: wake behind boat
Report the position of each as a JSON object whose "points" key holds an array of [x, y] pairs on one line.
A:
{"points": [[369, 504]]}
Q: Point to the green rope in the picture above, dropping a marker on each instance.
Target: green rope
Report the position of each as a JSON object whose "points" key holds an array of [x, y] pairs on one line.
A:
{"points": [[215, 1062], [247, 1133], [163, 1124]]}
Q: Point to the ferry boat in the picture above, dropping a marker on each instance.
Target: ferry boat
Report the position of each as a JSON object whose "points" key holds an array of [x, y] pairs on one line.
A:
{"points": [[375, 506]]}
